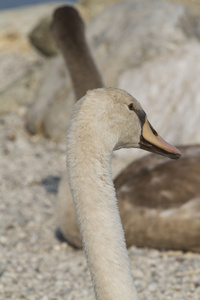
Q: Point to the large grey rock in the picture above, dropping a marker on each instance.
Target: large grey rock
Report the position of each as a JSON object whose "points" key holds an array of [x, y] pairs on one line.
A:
{"points": [[132, 43]]}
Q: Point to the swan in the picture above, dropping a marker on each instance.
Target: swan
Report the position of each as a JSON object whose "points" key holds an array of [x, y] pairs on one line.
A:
{"points": [[152, 217], [138, 207], [164, 215], [105, 120]]}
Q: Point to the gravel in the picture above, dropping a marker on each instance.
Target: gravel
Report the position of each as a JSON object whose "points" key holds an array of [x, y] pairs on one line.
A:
{"points": [[33, 263]]}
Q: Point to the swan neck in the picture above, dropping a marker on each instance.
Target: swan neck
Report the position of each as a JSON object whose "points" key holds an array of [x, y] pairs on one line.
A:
{"points": [[99, 221]]}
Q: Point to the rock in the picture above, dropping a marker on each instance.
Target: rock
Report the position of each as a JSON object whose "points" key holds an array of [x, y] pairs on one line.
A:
{"points": [[123, 52]]}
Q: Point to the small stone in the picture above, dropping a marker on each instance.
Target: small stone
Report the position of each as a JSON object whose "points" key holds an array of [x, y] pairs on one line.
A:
{"points": [[11, 136], [3, 240], [152, 287]]}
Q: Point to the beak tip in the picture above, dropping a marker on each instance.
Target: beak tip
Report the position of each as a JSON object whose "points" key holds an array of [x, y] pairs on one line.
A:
{"points": [[153, 142], [177, 154]]}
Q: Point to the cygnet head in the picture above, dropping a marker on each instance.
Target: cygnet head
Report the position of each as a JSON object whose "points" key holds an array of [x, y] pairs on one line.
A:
{"points": [[115, 119], [67, 25]]}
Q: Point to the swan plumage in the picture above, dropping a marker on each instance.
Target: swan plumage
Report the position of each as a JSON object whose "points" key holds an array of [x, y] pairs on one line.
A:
{"points": [[159, 201]]}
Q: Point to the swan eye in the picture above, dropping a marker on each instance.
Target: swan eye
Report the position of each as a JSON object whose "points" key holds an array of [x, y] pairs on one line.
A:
{"points": [[130, 106]]}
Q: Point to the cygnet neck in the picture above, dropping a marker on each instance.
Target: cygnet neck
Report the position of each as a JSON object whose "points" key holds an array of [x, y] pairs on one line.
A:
{"points": [[84, 73], [69, 32]]}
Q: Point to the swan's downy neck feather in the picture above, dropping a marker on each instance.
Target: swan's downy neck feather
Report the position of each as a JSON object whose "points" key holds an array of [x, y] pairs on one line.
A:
{"points": [[93, 193]]}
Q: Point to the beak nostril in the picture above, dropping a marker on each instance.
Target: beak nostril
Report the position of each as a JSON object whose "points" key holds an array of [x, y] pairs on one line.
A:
{"points": [[153, 130]]}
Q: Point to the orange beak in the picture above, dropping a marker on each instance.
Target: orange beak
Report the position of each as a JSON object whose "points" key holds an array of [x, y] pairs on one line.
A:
{"points": [[152, 142]]}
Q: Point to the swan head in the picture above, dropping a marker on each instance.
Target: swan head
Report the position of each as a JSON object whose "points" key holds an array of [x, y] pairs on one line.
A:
{"points": [[117, 120], [67, 25]]}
